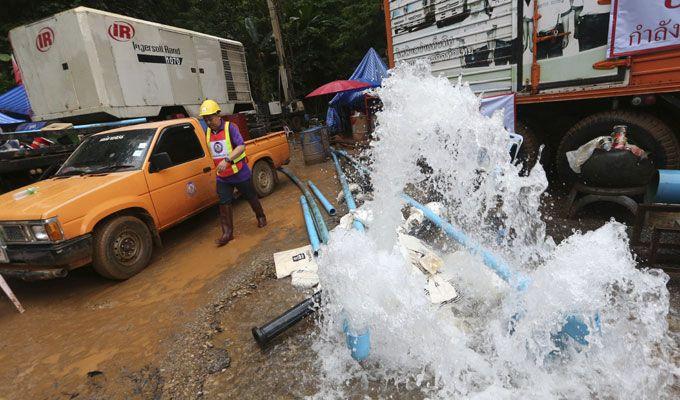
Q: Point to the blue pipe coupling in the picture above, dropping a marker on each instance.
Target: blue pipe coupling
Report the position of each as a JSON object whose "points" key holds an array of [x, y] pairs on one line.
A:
{"points": [[665, 187], [359, 344]]}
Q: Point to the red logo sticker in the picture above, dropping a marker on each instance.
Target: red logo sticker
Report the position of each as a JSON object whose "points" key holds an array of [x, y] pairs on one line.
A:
{"points": [[121, 31], [45, 39]]}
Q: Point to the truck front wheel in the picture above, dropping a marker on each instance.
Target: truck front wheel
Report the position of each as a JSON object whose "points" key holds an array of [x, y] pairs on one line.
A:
{"points": [[644, 130], [264, 178], [123, 247]]}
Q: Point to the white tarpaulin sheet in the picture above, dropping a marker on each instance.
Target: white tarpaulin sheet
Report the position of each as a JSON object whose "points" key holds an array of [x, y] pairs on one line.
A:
{"points": [[506, 103], [642, 26]]}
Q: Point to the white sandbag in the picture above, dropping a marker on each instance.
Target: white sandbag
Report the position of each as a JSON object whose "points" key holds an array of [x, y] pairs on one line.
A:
{"points": [[419, 254], [439, 290], [414, 220], [304, 279], [293, 260]]}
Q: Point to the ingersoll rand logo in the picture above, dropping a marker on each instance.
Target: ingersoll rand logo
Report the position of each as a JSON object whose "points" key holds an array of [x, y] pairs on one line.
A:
{"points": [[121, 31], [45, 39]]}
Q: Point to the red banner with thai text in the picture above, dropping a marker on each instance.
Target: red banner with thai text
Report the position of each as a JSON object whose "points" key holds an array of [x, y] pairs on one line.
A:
{"points": [[644, 26]]}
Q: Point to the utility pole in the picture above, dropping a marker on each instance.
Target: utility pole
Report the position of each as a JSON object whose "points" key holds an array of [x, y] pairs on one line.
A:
{"points": [[284, 70]]}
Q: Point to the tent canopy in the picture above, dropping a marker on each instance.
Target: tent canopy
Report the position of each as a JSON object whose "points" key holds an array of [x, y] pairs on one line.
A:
{"points": [[15, 101], [6, 119], [371, 70]]}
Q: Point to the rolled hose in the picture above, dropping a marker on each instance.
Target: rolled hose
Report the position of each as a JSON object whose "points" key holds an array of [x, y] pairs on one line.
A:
{"points": [[267, 332]]}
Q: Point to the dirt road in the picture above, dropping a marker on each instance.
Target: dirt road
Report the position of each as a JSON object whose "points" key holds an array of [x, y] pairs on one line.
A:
{"points": [[181, 328], [86, 337]]}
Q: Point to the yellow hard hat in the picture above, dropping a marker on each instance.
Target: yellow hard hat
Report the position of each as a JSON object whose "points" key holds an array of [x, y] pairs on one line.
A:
{"points": [[209, 107]]}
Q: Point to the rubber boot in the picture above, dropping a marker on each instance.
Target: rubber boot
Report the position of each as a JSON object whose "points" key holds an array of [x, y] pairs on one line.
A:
{"points": [[259, 212], [227, 225]]}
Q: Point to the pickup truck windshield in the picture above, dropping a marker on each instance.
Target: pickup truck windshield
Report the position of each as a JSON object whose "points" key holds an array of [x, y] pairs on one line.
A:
{"points": [[103, 153]]}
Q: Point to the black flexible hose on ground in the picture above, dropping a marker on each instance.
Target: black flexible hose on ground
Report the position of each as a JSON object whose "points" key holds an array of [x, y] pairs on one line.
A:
{"points": [[264, 334]]}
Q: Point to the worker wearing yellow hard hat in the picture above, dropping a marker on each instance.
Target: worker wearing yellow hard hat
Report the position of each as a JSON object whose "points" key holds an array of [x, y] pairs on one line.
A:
{"points": [[228, 152]]}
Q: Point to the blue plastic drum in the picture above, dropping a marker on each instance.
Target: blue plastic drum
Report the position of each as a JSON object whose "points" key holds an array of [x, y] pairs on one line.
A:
{"points": [[665, 187]]}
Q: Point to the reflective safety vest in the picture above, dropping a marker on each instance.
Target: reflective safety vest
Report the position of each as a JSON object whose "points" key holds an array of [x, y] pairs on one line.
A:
{"points": [[220, 148]]}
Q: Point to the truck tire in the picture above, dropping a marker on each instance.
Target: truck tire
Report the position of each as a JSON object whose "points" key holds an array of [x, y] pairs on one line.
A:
{"points": [[644, 130], [264, 178], [122, 247], [528, 153]]}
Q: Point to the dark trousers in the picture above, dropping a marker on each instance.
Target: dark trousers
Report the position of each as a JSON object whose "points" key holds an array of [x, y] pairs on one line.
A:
{"points": [[225, 191]]}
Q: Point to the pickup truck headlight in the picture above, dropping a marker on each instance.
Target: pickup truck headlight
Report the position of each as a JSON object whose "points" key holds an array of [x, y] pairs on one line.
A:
{"points": [[21, 232], [49, 230], [39, 233]]}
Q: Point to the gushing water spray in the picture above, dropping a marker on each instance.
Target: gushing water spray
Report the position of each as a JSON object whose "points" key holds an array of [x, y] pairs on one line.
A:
{"points": [[494, 342]]}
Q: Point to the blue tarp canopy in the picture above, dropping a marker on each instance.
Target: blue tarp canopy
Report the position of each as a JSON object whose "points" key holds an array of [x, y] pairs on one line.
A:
{"points": [[371, 70], [6, 119], [15, 101]]}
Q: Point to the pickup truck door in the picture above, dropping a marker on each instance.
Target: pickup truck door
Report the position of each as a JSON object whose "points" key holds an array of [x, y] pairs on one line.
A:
{"points": [[189, 184]]}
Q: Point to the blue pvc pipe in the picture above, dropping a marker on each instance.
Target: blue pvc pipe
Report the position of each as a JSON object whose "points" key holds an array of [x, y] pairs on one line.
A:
{"points": [[574, 327], [668, 188], [360, 167], [124, 122], [322, 199], [351, 205], [309, 222], [316, 214], [496, 264]]}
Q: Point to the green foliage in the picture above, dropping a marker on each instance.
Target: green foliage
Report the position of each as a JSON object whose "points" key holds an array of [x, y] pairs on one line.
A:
{"points": [[324, 39]]}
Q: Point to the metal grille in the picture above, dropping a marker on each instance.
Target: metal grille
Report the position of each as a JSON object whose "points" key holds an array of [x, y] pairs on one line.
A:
{"points": [[14, 233], [231, 88]]}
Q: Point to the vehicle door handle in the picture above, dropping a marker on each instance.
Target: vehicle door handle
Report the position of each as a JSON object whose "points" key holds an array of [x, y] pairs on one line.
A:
{"points": [[206, 170]]}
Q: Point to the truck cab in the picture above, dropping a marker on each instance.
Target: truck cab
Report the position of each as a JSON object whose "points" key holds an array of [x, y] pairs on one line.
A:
{"points": [[112, 197]]}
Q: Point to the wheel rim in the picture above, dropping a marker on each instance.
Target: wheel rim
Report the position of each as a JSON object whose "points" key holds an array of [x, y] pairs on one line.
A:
{"points": [[264, 180], [126, 247]]}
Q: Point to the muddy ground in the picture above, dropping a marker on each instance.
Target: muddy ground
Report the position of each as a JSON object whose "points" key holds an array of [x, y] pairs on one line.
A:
{"points": [[181, 328]]}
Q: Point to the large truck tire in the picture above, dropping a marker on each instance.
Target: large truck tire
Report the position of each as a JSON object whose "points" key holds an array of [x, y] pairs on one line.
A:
{"points": [[122, 247], [644, 130], [528, 152], [264, 178]]}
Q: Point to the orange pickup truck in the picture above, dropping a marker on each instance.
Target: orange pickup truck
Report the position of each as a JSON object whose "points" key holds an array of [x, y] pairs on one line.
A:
{"points": [[108, 202]]}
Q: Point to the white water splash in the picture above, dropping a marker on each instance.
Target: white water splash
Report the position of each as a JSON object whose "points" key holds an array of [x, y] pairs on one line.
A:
{"points": [[465, 350]]}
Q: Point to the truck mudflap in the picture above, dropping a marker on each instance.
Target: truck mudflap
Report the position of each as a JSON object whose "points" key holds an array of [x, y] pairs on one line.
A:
{"points": [[46, 261]]}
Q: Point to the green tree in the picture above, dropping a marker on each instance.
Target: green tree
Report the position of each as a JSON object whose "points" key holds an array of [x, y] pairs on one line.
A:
{"points": [[325, 39]]}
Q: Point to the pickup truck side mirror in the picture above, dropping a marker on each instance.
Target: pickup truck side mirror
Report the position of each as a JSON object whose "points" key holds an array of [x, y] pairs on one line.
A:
{"points": [[159, 162]]}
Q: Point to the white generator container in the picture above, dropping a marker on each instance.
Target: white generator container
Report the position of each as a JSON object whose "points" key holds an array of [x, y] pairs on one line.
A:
{"points": [[85, 61]]}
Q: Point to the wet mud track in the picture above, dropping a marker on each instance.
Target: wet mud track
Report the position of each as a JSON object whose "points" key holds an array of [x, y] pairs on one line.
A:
{"points": [[181, 328], [86, 337]]}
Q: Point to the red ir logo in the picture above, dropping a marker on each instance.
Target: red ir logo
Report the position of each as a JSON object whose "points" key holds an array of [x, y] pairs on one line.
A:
{"points": [[669, 4], [121, 31], [45, 39]]}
